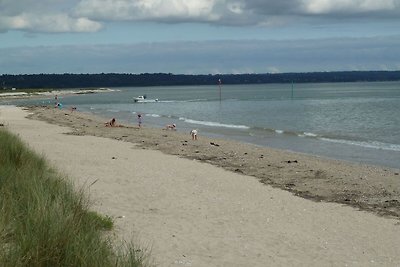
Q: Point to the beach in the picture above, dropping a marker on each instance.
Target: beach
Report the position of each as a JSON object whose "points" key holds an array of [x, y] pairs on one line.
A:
{"points": [[40, 94], [214, 202]]}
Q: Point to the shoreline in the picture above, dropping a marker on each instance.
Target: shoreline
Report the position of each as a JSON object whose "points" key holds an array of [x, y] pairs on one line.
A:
{"points": [[352, 147], [188, 212], [17, 94], [366, 187]]}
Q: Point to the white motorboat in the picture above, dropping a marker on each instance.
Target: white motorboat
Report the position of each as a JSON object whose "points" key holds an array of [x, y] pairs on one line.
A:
{"points": [[144, 99]]}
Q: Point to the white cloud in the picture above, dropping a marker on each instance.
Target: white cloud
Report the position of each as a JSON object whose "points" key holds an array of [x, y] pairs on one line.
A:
{"points": [[43, 16], [48, 23], [348, 6], [273, 69]]}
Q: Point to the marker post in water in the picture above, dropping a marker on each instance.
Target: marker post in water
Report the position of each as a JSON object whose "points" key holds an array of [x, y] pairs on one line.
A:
{"points": [[219, 85], [292, 89]]}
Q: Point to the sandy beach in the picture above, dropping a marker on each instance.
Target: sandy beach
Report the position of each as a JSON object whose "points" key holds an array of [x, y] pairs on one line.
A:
{"points": [[214, 202], [32, 93]]}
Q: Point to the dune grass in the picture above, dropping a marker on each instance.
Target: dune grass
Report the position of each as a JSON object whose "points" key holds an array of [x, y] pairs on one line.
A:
{"points": [[45, 222]]}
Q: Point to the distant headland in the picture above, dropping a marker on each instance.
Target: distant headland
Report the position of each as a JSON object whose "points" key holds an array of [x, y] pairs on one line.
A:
{"points": [[68, 80]]}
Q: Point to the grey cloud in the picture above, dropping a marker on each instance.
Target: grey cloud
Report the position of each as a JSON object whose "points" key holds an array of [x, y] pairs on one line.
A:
{"points": [[325, 7], [271, 7], [138, 10], [236, 12], [209, 57], [14, 14]]}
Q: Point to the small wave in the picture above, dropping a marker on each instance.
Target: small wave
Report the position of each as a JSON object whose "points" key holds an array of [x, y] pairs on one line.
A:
{"points": [[214, 124], [306, 134], [166, 101], [182, 101], [367, 144], [196, 100], [279, 131], [153, 115]]}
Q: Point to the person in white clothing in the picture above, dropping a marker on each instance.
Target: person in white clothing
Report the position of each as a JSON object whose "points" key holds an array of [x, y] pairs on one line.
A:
{"points": [[193, 133]]}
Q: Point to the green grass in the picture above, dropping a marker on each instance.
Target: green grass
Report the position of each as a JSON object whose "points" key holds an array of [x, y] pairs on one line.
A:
{"points": [[45, 222]]}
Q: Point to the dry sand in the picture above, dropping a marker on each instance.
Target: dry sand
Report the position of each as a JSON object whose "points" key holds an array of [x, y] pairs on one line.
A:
{"points": [[195, 214], [34, 93]]}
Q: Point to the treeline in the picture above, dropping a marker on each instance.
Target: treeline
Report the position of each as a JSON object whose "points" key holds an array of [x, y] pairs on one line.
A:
{"points": [[68, 80]]}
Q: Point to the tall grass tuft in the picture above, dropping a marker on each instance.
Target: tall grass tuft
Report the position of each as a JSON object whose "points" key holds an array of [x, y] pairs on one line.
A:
{"points": [[44, 221]]}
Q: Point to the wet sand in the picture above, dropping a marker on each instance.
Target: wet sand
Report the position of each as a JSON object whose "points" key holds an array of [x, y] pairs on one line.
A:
{"points": [[160, 186]]}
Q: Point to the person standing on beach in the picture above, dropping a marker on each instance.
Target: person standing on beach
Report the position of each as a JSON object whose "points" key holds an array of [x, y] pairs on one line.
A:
{"points": [[139, 118], [193, 133]]}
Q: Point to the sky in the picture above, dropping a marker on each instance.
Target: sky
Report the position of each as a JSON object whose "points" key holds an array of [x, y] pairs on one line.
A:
{"points": [[198, 36]]}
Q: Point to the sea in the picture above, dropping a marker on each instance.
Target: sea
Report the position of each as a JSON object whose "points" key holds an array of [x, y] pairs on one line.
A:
{"points": [[357, 122]]}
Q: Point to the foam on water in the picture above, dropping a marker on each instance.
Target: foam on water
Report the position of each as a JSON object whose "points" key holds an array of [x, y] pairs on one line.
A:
{"points": [[370, 144], [306, 134], [214, 124], [153, 115]]}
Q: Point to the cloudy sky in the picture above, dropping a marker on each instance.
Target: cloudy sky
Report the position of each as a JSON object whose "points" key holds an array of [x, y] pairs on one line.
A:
{"points": [[198, 36]]}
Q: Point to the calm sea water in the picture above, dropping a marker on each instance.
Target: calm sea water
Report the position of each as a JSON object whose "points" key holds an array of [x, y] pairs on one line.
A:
{"points": [[358, 122]]}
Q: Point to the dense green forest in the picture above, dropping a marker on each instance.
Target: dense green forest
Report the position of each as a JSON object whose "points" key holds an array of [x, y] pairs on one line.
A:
{"points": [[68, 80]]}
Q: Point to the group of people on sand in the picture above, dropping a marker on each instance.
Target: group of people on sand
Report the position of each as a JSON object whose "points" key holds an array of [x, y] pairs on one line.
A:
{"points": [[112, 123], [193, 133], [58, 104]]}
